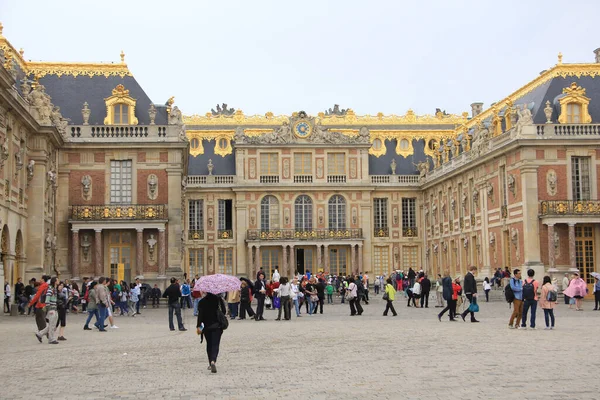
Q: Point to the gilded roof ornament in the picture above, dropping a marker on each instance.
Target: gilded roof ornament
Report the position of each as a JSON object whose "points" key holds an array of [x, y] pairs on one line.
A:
{"points": [[122, 57], [574, 90], [410, 118], [1, 29], [559, 58]]}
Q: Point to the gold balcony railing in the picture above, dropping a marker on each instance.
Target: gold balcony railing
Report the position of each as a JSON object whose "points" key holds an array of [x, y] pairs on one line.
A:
{"points": [[303, 234], [118, 212], [570, 207], [196, 234], [410, 231]]}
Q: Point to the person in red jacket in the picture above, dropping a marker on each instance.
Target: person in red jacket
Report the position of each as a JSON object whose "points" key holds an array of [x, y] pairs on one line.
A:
{"points": [[40, 303]]}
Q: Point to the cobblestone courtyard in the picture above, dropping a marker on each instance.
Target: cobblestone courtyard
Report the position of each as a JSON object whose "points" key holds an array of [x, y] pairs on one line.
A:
{"points": [[324, 356]]}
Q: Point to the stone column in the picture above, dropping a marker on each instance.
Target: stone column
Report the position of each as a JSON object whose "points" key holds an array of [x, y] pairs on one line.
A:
{"points": [[250, 261], [360, 257], [139, 255], [292, 259], [285, 266], [162, 268], [256, 259], [551, 245], [572, 260], [319, 263], [98, 252], [352, 258], [326, 257], [75, 254], [531, 255]]}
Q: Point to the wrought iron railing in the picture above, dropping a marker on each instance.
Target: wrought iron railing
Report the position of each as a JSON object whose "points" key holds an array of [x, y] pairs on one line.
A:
{"points": [[570, 207], [118, 212], [303, 234], [195, 234], [410, 231], [381, 232], [224, 234]]}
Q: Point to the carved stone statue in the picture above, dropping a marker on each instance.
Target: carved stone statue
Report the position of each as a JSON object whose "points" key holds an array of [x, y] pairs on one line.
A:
{"points": [[184, 184], [445, 247], [525, 118], [464, 200], [176, 118], [336, 111], [490, 191], [453, 205], [5, 153], [151, 246], [286, 216], [435, 248], [514, 237], [423, 168], [548, 112], [455, 148], [210, 167], [152, 113], [252, 216], [239, 137], [85, 247], [85, 113], [152, 187], [86, 186], [222, 110], [476, 197], [466, 243], [511, 183], [52, 178], [492, 239], [41, 105], [551, 182], [393, 166], [19, 159], [363, 135], [30, 166], [48, 240], [58, 121]]}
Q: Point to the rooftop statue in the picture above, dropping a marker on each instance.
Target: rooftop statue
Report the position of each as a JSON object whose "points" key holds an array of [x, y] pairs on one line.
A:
{"points": [[336, 110], [222, 110]]}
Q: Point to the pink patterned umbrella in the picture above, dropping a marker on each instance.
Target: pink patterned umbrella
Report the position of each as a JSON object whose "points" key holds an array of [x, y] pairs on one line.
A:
{"points": [[218, 283]]}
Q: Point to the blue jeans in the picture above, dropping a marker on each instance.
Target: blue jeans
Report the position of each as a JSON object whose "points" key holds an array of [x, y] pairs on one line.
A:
{"points": [[175, 307], [312, 305], [549, 317], [91, 313], [233, 310], [196, 301], [123, 307], [101, 316], [526, 305], [297, 306]]}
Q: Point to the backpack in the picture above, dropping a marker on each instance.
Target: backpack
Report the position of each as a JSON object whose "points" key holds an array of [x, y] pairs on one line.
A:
{"points": [[528, 290], [552, 296], [509, 295]]}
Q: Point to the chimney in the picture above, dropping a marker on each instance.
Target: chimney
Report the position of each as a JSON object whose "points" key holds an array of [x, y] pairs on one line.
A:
{"points": [[597, 53], [476, 109]]}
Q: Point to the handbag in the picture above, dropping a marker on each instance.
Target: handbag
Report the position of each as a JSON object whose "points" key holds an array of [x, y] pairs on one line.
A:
{"points": [[474, 307], [386, 296], [276, 302], [314, 298]]}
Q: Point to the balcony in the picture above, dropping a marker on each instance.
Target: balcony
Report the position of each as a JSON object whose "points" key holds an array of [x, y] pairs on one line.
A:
{"points": [[269, 179], [410, 231], [224, 234], [303, 234], [118, 212], [381, 232], [195, 234], [126, 133], [303, 178], [568, 130], [392, 180], [570, 207], [336, 178], [210, 180]]}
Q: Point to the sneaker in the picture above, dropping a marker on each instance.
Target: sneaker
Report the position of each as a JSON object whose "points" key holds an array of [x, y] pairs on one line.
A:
{"points": [[524, 328], [532, 328], [62, 338], [213, 368], [511, 327], [38, 337], [54, 342], [114, 327], [547, 328], [87, 328]]}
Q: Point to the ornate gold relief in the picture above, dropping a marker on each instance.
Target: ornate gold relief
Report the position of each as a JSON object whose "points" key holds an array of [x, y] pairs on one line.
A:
{"points": [[223, 146], [222, 140], [257, 132], [120, 96], [377, 146], [410, 118], [238, 118], [574, 96], [196, 147], [404, 147]]}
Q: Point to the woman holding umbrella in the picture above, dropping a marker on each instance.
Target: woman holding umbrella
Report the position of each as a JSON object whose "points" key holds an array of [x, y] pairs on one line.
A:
{"points": [[211, 313]]}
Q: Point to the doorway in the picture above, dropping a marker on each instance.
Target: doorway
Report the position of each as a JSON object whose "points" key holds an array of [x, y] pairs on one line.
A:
{"points": [[120, 255], [300, 261], [584, 254]]}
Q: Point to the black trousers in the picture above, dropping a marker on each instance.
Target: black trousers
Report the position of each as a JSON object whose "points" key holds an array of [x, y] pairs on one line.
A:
{"points": [[567, 298], [451, 308], [286, 306], [245, 306], [389, 306], [260, 307], [464, 314], [411, 297], [40, 318], [213, 341], [359, 309], [353, 306], [321, 301], [597, 300], [424, 299]]}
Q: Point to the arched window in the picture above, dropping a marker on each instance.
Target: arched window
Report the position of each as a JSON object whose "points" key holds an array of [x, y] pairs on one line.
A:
{"points": [[337, 212], [269, 213], [303, 209]]}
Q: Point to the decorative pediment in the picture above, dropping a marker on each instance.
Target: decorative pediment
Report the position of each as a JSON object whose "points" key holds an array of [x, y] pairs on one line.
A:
{"points": [[574, 106], [120, 108]]}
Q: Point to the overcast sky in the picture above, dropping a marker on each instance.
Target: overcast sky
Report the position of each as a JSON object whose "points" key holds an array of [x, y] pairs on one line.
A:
{"points": [[284, 56]]}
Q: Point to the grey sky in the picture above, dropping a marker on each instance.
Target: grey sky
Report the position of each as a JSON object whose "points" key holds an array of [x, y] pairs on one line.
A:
{"points": [[285, 56]]}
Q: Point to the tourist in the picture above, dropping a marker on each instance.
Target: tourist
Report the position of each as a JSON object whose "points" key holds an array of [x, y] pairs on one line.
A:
{"points": [[30, 292], [565, 285], [7, 295], [596, 293], [260, 290], [516, 286], [209, 327], [329, 291], [425, 288], [51, 314], [110, 303], [360, 290], [185, 299], [351, 296], [124, 299], [102, 303], [260, 271], [276, 276], [19, 291], [245, 300], [530, 299], [155, 295], [470, 289], [134, 299], [39, 304], [92, 309], [295, 293], [320, 287], [390, 292], [411, 277], [173, 293], [83, 292], [577, 289], [439, 292], [450, 295], [486, 289], [284, 292], [310, 295], [62, 303], [548, 302], [233, 303], [416, 293]]}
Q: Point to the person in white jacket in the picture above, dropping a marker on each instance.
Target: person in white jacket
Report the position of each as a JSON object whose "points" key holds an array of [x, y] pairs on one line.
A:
{"points": [[276, 276], [7, 295]]}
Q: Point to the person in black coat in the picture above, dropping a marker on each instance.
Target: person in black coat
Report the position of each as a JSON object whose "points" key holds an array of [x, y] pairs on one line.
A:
{"points": [[470, 288], [260, 290], [447, 295], [411, 277], [173, 293], [425, 289], [245, 293], [208, 325]]}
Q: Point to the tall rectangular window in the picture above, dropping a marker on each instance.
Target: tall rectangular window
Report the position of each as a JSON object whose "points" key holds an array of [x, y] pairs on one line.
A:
{"points": [[381, 260], [225, 265], [503, 188], [580, 178], [120, 181], [225, 215], [336, 164], [302, 163], [380, 213], [195, 215], [409, 215], [269, 164], [196, 262]]}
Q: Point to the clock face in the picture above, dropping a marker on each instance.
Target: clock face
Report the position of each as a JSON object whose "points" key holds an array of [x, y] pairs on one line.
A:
{"points": [[302, 129]]}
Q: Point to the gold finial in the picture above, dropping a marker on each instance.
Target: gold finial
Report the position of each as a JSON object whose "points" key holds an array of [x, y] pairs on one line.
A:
{"points": [[560, 58], [21, 52], [1, 28], [122, 57]]}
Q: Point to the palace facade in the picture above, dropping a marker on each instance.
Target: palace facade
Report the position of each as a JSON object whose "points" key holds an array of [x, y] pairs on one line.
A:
{"points": [[97, 179]]}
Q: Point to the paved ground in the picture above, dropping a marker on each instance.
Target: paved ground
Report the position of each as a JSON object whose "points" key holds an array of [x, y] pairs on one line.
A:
{"points": [[326, 356]]}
